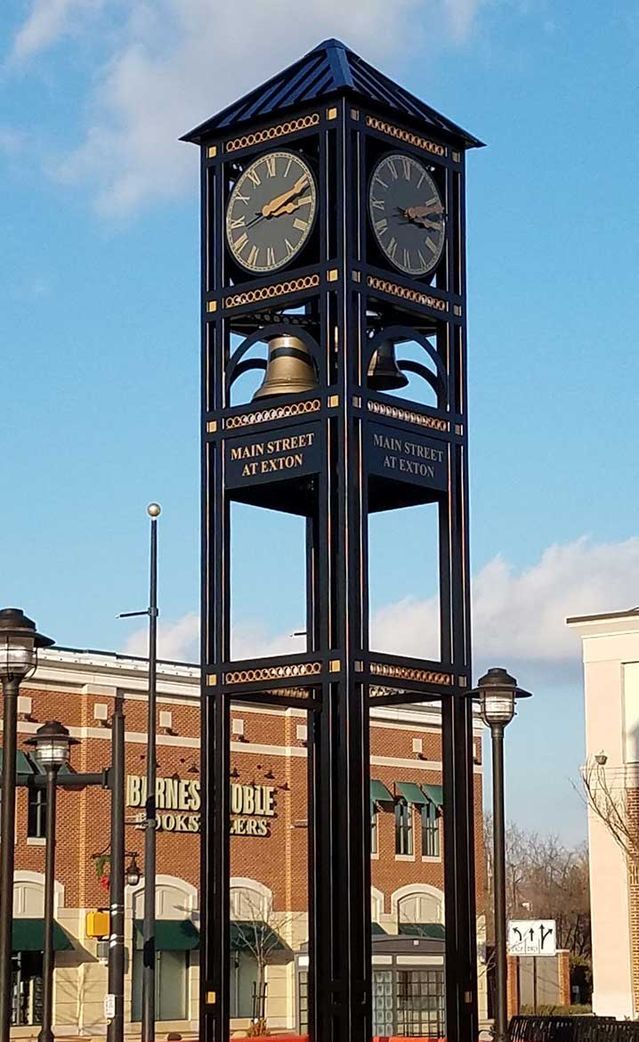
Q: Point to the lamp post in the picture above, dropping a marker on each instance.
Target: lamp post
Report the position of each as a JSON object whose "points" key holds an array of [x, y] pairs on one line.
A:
{"points": [[19, 643], [52, 744], [497, 692]]}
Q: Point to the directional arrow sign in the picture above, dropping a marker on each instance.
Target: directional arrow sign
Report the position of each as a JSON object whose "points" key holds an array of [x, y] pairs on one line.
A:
{"points": [[532, 937]]}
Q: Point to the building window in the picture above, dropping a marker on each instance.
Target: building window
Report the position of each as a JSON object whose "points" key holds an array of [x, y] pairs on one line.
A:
{"points": [[171, 986], [37, 813], [430, 831], [403, 828], [375, 832]]}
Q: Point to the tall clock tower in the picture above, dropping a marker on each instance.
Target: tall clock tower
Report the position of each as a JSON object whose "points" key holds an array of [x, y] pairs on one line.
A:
{"points": [[333, 264]]}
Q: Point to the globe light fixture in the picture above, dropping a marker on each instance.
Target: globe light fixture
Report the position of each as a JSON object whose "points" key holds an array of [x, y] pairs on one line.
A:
{"points": [[52, 745], [498, 692], [133, 871]]}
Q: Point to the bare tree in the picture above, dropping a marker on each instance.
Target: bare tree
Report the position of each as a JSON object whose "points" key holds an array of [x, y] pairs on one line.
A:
{"points": [[607, 797], [263, 933]]}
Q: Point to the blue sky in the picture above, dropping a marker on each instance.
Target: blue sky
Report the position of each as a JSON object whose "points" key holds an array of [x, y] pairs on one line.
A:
{"points": [[99, 317]]}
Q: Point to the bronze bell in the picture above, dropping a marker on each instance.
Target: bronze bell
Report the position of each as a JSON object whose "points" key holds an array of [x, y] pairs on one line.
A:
{"points": [[384, 373], [289, 368]]}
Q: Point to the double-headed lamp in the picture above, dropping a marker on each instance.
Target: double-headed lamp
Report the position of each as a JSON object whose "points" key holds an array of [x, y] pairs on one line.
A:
{"points": [[497, 692], [19, 643], [52, 744]]}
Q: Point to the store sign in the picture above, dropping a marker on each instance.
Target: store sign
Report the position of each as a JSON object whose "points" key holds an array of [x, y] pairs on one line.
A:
{"points": [[178, 804]]}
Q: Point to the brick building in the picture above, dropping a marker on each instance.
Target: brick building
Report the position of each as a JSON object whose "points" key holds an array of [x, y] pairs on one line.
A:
{"points": [[269, 851]]}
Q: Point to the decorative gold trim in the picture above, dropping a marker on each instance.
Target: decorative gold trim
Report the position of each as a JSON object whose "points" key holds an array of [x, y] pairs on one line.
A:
{"points": [[301, 694], [211, 151], [252, 676], [407, 416], [211, 998], [333, 401], [354, 113], [334, 665], [211, 680], [456, 157], [459, 428], [331, 113], [422, 676], [457, 309], [253, 296], [358, 667], [462, 681], [211, 305], [211, 426], [357, 276], [333, 275], [357, 401], [278, 412], [270, 133], [406, 294], [406, 136]]}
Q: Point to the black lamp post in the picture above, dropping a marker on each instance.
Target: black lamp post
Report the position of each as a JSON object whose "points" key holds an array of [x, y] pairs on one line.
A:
{"points": [[52, 744], [497, 692], [19, 643]]}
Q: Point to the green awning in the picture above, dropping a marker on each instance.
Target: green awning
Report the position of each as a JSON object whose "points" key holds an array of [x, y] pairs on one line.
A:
{"points": [[378, 931], [27, 935], [171, 935], [435, 794], [431, 931], [411, 792], [252, 935], [379, 792], [23, 763]]}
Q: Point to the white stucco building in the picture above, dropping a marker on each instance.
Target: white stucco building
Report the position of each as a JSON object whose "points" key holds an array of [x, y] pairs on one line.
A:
{"points": [[611, 686]]}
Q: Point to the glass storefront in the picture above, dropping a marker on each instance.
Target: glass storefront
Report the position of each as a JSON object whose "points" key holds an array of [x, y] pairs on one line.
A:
{"points": [[171, 986]]}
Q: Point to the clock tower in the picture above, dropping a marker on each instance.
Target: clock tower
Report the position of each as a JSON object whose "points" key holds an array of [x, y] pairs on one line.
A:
{"points": [[333, 264]]}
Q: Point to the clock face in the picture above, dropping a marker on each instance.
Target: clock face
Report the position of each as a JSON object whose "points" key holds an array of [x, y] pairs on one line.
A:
{"points": [[271, 211], [407, 214]]}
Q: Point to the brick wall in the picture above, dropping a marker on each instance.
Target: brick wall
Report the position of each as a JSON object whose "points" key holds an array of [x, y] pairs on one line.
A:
{"points": [[268, 753]]}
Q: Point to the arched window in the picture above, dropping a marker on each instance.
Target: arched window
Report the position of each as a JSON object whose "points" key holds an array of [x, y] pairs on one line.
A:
{"points": [[417, 905]]}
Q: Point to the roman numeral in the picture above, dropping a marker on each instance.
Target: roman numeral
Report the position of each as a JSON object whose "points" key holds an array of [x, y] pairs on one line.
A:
{"points": [[407, 263], [289, 249], [252, 257], [237, 222], [381, 226], [432, 245], [240, 243], [378, 179], [254, 177], [406, 166], [391, 249], [300, 224], [270, 257], [270, 165], [243, 198], [393, 169], [377, 204], [288, 166]]}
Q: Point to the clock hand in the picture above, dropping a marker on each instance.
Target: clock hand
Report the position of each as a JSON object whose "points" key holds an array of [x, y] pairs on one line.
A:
{"points": [[415, 212], [292, 206], [269, 208]]}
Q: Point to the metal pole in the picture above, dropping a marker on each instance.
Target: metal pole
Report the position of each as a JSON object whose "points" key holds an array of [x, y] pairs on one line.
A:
{"points": [[7, 848], [46, 1034], [499, 858], [534, 968], [115, 1028], [148, 954]]}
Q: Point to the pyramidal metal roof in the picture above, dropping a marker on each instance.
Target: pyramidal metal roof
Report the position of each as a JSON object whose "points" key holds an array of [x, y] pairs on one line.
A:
{"points": [[330, 68]]}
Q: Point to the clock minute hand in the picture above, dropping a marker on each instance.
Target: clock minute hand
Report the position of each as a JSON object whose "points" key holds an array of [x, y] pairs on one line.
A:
{"points": [[416, 212], [270, 208], [292, 206]]}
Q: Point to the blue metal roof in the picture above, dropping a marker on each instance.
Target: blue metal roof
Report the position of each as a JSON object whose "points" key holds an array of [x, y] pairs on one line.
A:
{"points": [[329, 69]]}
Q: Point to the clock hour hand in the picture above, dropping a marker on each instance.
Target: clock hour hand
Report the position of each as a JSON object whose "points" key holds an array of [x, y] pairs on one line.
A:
{"points": [[292, 206], [270, 209], [424, 215]]}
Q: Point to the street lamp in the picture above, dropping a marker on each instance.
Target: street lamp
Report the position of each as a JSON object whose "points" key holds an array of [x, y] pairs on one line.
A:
{"points": [[19, 643], [52, 745], [497, 692], [132, 871]]}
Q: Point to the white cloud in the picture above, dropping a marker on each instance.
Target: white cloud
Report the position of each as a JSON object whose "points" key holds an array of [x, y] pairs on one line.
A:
{"points": [[47, 21], [518, 616], [173, 63]]}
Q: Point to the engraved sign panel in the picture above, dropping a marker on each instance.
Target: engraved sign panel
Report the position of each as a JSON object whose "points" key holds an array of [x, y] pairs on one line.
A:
{"points": [[400, 456], [274, 456]]}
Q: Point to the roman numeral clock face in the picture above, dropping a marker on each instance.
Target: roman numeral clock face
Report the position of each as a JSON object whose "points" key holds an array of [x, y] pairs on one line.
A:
{"points": [[407, 214], [271, 211]]}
